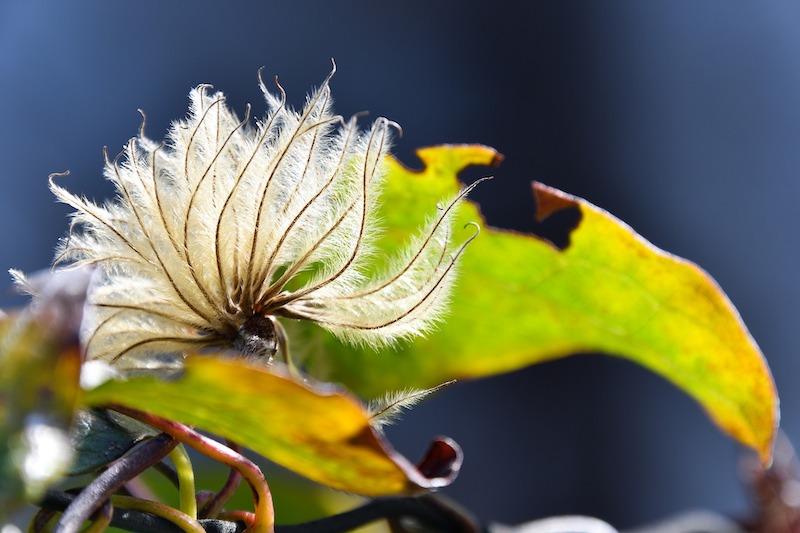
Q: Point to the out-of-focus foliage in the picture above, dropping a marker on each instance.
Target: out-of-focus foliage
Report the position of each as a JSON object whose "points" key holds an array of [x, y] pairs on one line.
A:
{"points": [[39, 389]]}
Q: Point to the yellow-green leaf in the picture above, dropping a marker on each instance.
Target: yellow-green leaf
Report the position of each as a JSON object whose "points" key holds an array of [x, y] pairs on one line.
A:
{"points": [[316, 430], [521, 300]]}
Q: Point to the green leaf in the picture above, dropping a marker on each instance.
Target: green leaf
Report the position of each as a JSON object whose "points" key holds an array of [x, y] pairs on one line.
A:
{"points": [[520, 300], [315, 430]]}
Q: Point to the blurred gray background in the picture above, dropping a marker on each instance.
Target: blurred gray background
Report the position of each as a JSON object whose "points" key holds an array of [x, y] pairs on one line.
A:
{"points": [[680, 117]]}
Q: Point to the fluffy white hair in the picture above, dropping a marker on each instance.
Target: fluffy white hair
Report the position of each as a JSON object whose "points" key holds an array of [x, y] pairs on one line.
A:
{"points": [[227, 220]]}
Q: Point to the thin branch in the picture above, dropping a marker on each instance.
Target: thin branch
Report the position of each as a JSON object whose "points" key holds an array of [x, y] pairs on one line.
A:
{"points": [[168, 472], [102, 518], [138, 521], [98, 491], [265, 513], [430, 510], [40, 520], [217, 503], [182, 520]]}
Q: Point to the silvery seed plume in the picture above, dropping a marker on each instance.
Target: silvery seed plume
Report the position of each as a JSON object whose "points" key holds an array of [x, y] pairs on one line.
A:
{"points": [[229, 224], [389, 409]]}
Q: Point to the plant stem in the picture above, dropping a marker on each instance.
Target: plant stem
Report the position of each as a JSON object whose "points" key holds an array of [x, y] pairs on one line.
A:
{"points": [[40, 520], [213, 508], [182, 520], [429, 510], [102, 519], [264, 521], [168, 472], [183, 466], [98, 491], [132, 520], [434, 514], [244, 517]]}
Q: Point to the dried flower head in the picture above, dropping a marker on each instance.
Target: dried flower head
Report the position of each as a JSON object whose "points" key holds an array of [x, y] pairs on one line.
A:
{"points": [[227, 225]]}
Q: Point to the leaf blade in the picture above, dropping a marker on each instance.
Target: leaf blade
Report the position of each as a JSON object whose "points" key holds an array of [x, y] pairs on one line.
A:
{"points": [[315, 430], [521, 301]]}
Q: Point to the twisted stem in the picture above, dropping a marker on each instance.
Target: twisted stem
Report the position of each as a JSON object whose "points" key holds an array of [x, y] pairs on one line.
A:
{"points": [[264, 521]]}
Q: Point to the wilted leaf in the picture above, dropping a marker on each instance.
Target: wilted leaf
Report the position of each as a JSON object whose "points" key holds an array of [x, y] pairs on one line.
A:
{"points": [[314, 429], [521, 300]]}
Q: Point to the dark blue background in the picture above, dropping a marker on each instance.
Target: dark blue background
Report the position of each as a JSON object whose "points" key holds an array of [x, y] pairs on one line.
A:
{"points": [[680, 117]]}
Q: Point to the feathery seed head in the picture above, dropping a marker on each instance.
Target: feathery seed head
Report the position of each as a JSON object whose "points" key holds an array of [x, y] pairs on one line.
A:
{"points": [[227, 224]]}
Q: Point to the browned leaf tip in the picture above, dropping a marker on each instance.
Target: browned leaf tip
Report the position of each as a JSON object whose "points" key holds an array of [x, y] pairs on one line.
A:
{"points": [[440, 464], [443, 459], [550, 200], [774, 490], [497, 159]]}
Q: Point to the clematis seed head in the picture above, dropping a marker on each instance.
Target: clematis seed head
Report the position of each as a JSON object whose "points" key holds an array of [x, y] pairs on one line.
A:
{"points": [[230, 224]]}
